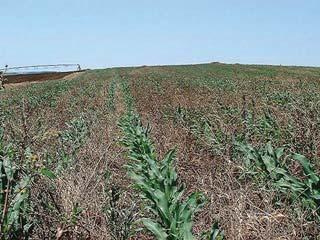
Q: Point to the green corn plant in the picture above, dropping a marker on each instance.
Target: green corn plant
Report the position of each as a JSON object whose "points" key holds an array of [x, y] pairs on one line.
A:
{"points": [[158, 183], [129, 101], [267, 161], [14, 195], [210, 135], [280, 98], [76, 133], [200, 126], [111, 94], [71, 141], [308, 190], [268, 127]]}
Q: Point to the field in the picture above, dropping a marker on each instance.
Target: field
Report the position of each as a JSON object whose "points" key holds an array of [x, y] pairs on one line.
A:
{"points": [[210, 151], [36, 77]]}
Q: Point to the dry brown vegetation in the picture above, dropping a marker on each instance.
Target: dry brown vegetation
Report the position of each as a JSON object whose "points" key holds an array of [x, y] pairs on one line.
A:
{"points": [[70, 128]]}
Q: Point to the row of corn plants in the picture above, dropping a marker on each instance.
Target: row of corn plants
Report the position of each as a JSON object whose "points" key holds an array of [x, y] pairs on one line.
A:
{"points": [[110, 103], [70, 141], [158, 183], [59, 165], [265, 162], [20, 172], [30, 167], [266, 113], [271, 164], [208, 133], [171, 213]]}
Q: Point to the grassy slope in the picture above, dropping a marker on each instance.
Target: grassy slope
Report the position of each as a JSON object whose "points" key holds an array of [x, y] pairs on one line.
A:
{"points": [[200, 109]]}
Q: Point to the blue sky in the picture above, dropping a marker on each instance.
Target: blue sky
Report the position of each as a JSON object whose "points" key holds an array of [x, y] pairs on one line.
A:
{"points": [[102, 33]]}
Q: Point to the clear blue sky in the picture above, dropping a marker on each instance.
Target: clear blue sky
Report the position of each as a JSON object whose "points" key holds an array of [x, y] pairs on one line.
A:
{"points": [[102, 33]]}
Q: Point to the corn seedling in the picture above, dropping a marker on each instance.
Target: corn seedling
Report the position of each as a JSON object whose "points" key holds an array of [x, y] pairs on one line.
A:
{"points": [[158, 183]]}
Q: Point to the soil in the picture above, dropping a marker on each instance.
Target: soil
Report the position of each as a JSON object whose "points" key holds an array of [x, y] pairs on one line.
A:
{"points": [[26, 79]]}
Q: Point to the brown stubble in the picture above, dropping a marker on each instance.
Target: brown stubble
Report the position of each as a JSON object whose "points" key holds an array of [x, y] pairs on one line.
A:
{"points": [[84, 184], [243, 210]]}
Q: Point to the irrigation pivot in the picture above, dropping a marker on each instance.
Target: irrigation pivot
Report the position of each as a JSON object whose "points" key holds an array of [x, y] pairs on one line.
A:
{"points": [[37, 73], [41, 68]]}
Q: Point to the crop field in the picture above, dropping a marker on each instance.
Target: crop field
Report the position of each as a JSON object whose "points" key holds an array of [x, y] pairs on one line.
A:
{"points": [[209, 151], [23, 79]]}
